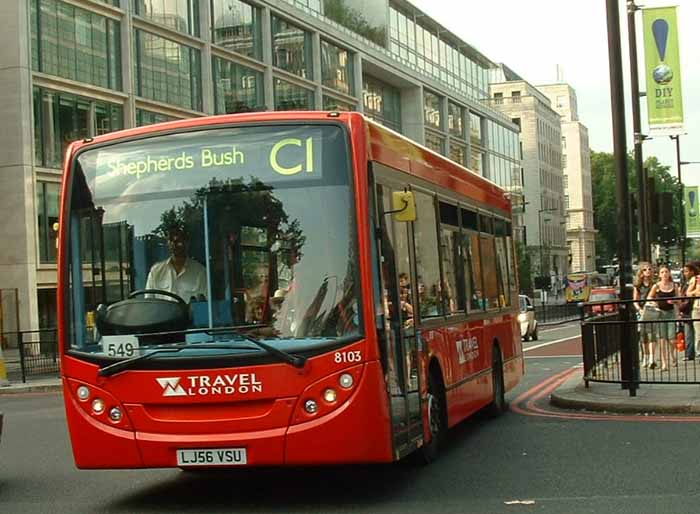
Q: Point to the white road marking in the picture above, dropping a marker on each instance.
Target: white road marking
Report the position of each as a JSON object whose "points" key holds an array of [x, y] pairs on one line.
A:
{"points": [[564, 327], [541, 345]]}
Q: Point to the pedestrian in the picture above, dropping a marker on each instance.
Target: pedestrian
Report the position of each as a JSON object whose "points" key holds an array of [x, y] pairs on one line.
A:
{"points": [[685, 309], [643, 283], [663, 292], [694, 290]]}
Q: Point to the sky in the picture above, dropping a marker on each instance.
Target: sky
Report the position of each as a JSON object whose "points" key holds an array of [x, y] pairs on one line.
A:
{"points": [[532, 37]]}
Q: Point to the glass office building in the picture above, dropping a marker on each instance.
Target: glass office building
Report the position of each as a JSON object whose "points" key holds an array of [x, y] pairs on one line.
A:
{"points": [[87, 67]]}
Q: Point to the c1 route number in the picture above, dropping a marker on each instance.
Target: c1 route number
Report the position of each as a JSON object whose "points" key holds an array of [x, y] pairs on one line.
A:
{"points": [[351, 356]]}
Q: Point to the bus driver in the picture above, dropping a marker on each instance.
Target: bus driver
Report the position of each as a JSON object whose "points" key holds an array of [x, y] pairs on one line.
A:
{"points": [[178, 273]]}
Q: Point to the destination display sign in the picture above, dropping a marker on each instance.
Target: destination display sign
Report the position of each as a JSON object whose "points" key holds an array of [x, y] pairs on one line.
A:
{"points": [[192, 160]]}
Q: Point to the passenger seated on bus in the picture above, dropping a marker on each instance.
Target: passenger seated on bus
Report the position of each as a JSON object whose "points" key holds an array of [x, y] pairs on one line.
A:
{"points": [[256, 310], [406, 307], [428, 300], [178, 273], [478, 300], [404, 282]]}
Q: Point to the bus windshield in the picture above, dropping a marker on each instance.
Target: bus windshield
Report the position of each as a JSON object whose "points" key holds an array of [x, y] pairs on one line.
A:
{"points": [[175, 238]]}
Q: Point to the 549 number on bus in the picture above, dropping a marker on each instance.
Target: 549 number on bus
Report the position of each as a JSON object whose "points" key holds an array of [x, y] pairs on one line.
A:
{"points": [[120, 346]]}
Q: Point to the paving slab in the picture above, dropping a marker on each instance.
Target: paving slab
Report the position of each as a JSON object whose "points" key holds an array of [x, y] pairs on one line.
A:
{"points": [[650, 398]]}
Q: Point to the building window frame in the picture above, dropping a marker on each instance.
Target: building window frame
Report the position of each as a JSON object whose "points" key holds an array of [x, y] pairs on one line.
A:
{"points": [[193, 75], [50, 133], [192, 21], [110, 66], [47, 218], [220, 92], [255, 51], [306, 68]]}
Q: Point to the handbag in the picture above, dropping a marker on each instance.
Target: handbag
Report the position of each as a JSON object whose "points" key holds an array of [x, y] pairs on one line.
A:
{"points": [[650, 312], [680, 341]]}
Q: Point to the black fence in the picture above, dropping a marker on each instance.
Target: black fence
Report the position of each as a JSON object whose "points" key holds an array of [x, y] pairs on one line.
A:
{"points": [[651, 347], [557, 312], [38, 352]]}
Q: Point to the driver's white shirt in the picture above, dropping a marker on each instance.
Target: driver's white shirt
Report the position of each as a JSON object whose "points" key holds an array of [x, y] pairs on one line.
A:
{"points": [[191, 281]]}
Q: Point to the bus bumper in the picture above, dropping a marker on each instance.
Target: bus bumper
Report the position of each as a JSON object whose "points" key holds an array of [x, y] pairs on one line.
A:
{"points": [[357, 431]]}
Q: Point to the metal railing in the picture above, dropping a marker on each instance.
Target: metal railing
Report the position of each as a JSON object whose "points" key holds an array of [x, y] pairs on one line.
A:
{"points": [[38, 352], [557, 312], [648, 348]]}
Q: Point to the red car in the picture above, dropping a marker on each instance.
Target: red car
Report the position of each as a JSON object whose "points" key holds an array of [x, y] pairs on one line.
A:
{"points": [[603, 294]]}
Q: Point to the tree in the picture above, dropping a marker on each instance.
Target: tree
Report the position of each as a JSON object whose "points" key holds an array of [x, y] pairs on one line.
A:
{"points": [[605, 216], [348, 16]]}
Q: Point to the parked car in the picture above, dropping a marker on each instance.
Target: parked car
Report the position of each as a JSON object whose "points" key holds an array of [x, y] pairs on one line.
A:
{"points": [[602, 294], [527, 320]]}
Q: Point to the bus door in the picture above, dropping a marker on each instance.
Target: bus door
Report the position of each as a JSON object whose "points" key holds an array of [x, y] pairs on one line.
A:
{"points": [[398, 334]]}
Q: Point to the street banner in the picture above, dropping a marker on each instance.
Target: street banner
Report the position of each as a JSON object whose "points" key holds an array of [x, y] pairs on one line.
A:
{"points": [[692, 215], [663, 71]]}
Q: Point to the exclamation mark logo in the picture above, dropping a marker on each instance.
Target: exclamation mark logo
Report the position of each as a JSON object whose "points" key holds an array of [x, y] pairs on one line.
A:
{"points": [[663, 74]]}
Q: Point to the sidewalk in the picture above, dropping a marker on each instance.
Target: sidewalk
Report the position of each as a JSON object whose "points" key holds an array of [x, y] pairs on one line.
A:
{"points": [[33, 385], [44, 385], [651, 398]]}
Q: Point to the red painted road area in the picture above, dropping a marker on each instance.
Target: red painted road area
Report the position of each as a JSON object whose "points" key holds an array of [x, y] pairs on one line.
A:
{"points": [[535, 402], [569, 347]]}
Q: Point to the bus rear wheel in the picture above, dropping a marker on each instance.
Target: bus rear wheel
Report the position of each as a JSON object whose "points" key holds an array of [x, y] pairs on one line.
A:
{"points": [[498, 404], [437, 419]]}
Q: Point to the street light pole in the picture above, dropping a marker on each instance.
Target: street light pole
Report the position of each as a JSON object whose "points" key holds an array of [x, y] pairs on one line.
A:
{"points": [[644, 251], [539, 218], [628, 351], [681, 236]]}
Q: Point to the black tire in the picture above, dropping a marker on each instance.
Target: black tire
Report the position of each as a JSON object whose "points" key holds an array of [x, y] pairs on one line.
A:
{"points": [[534, 334], [437, 411], [498, 404]]}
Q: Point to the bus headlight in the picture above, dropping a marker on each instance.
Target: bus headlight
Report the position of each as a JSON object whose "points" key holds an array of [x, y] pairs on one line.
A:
{"points": [[83, 393], [311, 406], [98, 406], [115, 414], [330, 395], [327, 394], [346, 380], [98, 403]]}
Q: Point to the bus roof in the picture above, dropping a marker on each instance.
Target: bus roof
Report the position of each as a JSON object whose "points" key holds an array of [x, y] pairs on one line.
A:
{"points": [[397, 151]]}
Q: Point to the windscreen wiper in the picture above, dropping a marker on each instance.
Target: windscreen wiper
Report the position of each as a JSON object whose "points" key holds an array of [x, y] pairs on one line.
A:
{"points": [[117, 367], [297, 361], [113, 369]]}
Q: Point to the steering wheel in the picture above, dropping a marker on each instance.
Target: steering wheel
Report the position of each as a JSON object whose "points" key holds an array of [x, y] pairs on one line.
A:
{"points": [[141, 292]]}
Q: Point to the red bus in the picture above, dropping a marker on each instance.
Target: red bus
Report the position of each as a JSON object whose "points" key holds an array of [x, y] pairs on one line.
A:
{"points": [[278, 288]]}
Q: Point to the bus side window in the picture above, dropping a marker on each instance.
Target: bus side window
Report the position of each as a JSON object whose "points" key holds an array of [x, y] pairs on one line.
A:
{"points": [[427, 257], [477, 298], [453, 295]]}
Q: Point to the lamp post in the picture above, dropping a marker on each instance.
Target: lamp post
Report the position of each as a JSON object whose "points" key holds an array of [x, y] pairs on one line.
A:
{"points": [[539, 218], [680, 163], [685, 229], [644, 251]]}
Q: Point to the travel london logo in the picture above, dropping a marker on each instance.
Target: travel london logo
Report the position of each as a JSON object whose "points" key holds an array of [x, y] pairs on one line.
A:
{"points": [[204, 385]]}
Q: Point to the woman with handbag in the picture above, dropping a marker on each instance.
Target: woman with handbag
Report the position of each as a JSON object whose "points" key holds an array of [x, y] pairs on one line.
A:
{"points": [[694, 290], [643, 283], [663, 292], [686, 308]]}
